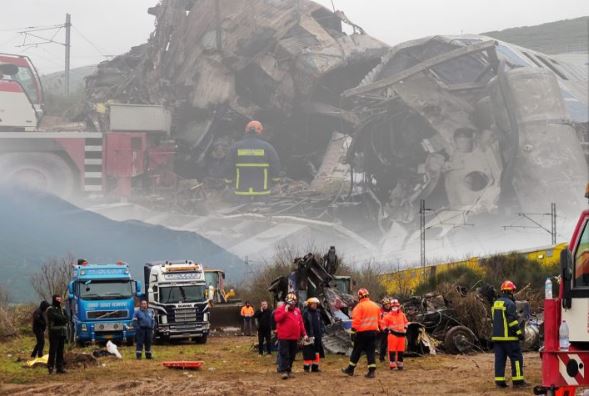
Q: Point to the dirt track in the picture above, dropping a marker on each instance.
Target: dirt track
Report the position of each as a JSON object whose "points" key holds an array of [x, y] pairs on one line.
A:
{"points": [[231, 369]]}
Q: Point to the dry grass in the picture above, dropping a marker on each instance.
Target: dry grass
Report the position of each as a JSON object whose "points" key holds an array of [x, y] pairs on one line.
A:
{"points": [[231, 368]]}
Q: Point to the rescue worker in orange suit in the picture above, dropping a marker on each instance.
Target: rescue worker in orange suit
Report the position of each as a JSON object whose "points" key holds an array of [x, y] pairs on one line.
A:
{"points": [[289, 330], [252, 164], [365, 327], [395, 326], [313, 348], [506, 336], [247, 314], [385, 308]]}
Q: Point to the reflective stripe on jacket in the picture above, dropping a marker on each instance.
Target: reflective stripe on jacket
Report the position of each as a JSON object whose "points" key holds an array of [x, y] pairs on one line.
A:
{"points": [[505, 323], [395, 321], [252, 164], [365, 316]]}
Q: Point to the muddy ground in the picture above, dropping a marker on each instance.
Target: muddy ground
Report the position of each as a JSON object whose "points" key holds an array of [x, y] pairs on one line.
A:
{"points": [[231, 368]]}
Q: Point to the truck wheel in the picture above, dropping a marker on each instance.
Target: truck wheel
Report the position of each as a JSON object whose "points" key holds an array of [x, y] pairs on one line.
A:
{"points": [[459, 339], [201, 340], [41, 171]]}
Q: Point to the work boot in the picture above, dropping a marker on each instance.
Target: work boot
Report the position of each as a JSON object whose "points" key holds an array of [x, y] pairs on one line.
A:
{"points": [[138, 356], [501, 384], [306, 368], [400, 365], [520, 384], [348, 370], [61, 371], [148, 355], [284, 375], [50, 369], [315, 368], [371, 373]]}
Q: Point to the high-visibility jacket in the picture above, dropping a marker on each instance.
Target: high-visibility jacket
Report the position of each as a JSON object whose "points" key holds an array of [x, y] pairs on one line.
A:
{"points": [[252, 165], [383, 313], [396, 321], [365, 316], [246, 311], [505, 323]]}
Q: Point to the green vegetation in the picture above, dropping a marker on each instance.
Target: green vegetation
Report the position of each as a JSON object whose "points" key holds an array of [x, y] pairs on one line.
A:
{"points": [[513, 266], [552, 38]]}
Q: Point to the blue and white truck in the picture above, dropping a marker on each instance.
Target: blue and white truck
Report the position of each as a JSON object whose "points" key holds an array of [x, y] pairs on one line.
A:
{"points": [[101, 303]]}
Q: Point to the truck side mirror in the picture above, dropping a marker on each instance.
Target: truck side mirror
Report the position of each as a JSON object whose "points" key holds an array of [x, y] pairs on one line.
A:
{"points": [[566, 272], [70, 289], [138, 291]]}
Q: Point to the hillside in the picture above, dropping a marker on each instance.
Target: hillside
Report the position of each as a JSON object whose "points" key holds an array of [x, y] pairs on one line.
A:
{"points": [[570, 35], [53, 83], [36, 227]]}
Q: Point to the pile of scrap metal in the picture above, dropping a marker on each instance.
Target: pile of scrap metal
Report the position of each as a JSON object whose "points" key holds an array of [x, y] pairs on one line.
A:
{"points": [[477, 127], [314, 276], [459, 320]]}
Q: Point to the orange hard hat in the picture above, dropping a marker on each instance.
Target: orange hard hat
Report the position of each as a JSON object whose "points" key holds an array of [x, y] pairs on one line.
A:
{"points": [[508, 286], [254, 126], [363, 293]]}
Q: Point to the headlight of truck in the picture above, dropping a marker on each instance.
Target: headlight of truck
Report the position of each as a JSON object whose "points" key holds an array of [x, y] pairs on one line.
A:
{"points": [[84, 328], [164, 319]]}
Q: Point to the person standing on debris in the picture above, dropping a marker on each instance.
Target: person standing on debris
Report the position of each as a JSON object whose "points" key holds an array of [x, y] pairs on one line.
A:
{"points": [[57, 325], [143, 322], [385, 308], [395, 326], [365, 327], [289, 330], [252, 164], [263, 317], [506, 336], [247, 314], [39, 326], [313, 347]]}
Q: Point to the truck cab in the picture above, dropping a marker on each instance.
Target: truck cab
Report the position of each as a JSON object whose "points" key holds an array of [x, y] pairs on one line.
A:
{"points": [[101, 303], [178, 293], [564, 368]]}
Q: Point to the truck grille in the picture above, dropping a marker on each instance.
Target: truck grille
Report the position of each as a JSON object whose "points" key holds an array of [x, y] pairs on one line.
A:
{"points": [[185, 315], [107, 315]]}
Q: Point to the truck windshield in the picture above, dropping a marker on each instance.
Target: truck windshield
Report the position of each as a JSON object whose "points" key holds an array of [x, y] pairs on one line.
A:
{"points": [[582, 260], [176, 294], [106, 290]]}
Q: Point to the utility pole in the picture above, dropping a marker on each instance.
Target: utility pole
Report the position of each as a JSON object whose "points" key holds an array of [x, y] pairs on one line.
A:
{"points": [[528, 216], [422, 211], [68, 25]]}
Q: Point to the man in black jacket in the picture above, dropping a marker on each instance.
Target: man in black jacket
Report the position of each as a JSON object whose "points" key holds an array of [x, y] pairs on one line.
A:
{"points": [[39, 326], [57, 324], [313, 348], [263, 317]]}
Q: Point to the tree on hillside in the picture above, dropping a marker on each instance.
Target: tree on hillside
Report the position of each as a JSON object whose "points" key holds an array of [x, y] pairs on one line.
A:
{"points": [[53, 277]]}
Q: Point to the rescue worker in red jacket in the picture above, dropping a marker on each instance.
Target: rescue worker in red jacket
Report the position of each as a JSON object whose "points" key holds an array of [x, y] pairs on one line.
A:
{"points": [[289, 330], [385, 308], [395, 325], [365, 327], [252, 164]]}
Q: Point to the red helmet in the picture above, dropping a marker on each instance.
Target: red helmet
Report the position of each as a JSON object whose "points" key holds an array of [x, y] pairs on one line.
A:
{"points": [[254, 126], [508, 286], [395, 303], [362, 293]]}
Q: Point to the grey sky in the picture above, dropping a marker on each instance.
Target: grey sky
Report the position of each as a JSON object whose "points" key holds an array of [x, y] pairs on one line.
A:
{"points": [[116, 25]]}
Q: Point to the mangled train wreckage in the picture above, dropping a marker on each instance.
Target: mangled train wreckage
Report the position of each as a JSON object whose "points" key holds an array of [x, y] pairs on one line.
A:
{"points": [[479, 128]]}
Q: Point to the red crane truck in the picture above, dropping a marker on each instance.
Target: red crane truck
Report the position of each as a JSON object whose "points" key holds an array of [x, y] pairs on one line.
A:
{"points": [[134, 153], [564, 370]]}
